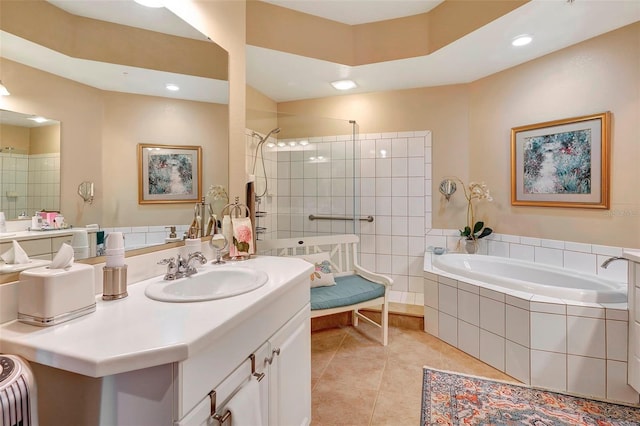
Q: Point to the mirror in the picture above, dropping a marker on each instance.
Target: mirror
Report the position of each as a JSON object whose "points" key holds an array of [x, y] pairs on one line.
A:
{"points": [[30, 164], [218, 242], [102, 69]]}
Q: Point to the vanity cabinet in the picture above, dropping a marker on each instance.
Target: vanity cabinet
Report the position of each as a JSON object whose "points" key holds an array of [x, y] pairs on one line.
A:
{"points": [[290, 374], [285, 388]]}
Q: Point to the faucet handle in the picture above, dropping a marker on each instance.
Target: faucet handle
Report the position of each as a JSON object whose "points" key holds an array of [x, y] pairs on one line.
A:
{"points": [[168, 261]]}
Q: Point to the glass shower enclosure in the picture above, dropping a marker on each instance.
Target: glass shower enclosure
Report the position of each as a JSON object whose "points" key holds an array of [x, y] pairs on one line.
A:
{"points": [[306, 174]]}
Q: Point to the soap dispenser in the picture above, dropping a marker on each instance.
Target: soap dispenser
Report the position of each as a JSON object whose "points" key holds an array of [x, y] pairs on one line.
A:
{"points": [[173, 237]]}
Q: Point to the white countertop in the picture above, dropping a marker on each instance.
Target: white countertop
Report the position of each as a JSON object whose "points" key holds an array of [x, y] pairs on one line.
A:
{"points": [[137, 332], [29, 235], [632, 255]]}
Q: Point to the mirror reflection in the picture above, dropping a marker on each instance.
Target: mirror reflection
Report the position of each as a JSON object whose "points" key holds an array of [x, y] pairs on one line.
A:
{"points": [[102, 70], [30, 162]]}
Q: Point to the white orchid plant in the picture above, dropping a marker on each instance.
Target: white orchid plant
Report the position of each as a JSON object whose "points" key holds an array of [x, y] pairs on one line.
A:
{"points": [[478, 192]]}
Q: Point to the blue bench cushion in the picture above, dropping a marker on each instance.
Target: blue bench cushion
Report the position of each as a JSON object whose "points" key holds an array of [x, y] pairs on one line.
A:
{"points": [[349, 290]]}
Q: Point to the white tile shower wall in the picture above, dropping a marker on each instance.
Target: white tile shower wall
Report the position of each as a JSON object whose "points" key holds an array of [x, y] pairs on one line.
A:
{"points": [[144, 236], [393, 181], [43, 187], [581, 257], [29, 183], [574, 348]]}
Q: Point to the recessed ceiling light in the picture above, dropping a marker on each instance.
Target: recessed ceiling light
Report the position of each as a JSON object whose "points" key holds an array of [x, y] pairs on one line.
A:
{"points": [[304, 143], [281, 144], [292, 143], [38, 119], [344, 84], [271, 144], [150, 3], [320, 157], [522, 40], [312, 158], [3, 90], [172, 87]]}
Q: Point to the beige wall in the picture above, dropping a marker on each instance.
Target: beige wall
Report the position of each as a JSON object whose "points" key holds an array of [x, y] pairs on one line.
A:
{"points": [[262, 112], [99, 134], [80, 110], [471, 127], [16, 137], [133, 119], [45, 139], [224, 22], [599, 75]]}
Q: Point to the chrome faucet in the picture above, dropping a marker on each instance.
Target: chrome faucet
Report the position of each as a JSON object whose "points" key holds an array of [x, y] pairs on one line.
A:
{"points": [[181, 267], [611, 259]]}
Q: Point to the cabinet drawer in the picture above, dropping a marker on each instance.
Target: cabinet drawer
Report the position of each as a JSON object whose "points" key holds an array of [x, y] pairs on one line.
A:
{"points": [[56, 242], [31, 247]]}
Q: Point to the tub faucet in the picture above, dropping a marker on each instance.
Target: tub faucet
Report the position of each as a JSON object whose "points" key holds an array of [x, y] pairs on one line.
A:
{"points": [[611, 259]]}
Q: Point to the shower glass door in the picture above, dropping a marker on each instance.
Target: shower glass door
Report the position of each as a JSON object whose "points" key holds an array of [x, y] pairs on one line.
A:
{"points": [[308, 173]]}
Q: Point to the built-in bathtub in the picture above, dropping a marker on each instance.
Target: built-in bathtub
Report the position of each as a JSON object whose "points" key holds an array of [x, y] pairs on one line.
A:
{"points": [[545, 326], [535, 278]]}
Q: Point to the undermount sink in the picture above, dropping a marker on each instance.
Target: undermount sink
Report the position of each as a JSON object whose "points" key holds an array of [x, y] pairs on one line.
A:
{"points": [[218, 283]]}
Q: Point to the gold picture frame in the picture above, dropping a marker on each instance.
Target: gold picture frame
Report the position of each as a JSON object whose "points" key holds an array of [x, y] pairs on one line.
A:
{"points": [[562, 163], [169, 174]]}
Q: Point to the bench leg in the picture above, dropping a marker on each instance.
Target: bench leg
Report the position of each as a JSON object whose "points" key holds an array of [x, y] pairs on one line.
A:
{"points": [[354, 317], [385, 323]]}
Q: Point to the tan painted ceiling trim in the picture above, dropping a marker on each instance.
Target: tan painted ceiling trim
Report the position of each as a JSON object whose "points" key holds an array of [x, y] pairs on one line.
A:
{"points": [[274, 27], [85, 38]]}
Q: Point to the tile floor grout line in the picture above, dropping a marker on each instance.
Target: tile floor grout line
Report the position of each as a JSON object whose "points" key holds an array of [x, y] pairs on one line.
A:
{"points": [[375, 402], [335, 351]]}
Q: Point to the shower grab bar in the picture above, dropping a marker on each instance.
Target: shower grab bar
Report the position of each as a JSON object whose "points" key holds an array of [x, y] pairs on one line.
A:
{"points": [[364, 218]]}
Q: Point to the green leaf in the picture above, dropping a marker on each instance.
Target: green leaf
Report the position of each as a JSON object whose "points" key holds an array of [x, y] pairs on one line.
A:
{"points": [[466, 232], [477, 227], [485, 232]]}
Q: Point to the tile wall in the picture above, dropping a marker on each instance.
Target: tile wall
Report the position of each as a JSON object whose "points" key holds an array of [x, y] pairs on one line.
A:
{"points": [[581, 257], [392, 178], [29, 183], [144, 236], [580, 349]]}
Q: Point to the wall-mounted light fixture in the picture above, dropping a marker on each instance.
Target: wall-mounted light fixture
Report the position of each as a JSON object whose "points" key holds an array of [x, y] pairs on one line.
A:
{"points": [[85, 190], [447, 188]]}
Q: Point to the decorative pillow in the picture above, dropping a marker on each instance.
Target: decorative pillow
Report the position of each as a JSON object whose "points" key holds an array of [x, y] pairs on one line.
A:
{"points": [[321, 275]]}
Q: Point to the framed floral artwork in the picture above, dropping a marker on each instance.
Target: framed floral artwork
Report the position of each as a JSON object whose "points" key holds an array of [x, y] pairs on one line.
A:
{"points": [[169, 174], [562, 163]]}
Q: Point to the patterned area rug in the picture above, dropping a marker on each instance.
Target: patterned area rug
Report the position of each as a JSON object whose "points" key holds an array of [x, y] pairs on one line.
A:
{"points": [[455, 399]]}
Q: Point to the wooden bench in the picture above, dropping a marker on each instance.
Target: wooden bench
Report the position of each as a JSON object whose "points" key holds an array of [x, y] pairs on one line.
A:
{"points": [[356, 288]]}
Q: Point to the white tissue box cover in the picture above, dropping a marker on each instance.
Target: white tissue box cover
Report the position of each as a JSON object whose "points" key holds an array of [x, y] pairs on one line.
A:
{"points": [[47, 293]]}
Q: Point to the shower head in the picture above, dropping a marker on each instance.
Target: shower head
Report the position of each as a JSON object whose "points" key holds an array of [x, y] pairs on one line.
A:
{"points": [[263, 139]]}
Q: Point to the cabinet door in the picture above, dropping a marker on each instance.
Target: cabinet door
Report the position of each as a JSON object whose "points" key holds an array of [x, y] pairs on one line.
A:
{"points": [[290, 373]]}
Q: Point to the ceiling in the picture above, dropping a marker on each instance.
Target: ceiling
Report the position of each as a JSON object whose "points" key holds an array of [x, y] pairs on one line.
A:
{"points": [[555, 24], [353, 12]]}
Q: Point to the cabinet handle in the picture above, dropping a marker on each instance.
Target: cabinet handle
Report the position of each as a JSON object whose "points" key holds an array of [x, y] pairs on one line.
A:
{"points": [[269, 359]]}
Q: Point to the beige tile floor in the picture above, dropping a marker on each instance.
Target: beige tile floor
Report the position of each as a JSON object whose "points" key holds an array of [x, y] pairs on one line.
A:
{"points": [[357, 381]]}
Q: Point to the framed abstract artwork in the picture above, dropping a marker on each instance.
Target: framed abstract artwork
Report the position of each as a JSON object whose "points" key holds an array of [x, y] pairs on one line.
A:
{"points": [[169, 174], [562, 163]]}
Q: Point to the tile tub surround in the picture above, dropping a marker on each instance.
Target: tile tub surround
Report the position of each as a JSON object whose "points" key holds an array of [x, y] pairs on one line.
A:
{"points": [[545, 342]]}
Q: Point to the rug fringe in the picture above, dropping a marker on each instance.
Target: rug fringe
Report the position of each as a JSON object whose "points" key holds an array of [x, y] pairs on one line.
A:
{"points": [[524, 385]]}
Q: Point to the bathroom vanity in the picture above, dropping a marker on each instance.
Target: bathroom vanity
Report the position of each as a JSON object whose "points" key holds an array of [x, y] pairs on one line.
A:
{"points": [[138, 361]]}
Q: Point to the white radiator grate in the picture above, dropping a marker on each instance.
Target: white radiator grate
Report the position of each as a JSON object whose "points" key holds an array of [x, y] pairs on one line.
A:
{"points": [[17, 393]]}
